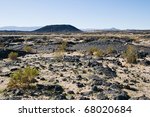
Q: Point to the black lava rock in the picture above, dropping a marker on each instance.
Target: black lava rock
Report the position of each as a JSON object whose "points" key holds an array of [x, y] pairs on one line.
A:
{"points": [[80, 85], [122, 96]]}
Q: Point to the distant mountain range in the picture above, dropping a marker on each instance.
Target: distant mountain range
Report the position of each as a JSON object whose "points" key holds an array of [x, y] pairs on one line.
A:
{"points": [[15, 28], [95, 30], [55, 28]]}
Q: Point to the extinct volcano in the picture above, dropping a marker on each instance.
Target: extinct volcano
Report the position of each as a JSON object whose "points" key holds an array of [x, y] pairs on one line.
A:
{"points": [[58, 28]]}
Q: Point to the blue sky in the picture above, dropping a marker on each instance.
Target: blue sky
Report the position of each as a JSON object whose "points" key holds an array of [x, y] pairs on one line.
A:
{"points": [[122, 14]]}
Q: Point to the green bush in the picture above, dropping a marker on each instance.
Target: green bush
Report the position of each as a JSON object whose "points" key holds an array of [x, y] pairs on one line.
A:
{"points": [[130, 54], [27, 49], [23, 78], [13, 55]]}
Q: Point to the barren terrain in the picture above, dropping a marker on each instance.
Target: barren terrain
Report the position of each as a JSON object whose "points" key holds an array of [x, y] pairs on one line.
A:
{"points": [[75, 73]]}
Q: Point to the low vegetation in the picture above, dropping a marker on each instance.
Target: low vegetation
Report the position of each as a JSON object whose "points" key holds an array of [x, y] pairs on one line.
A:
{"points": [[1, 91], [59, 54], [13, 55], [23, 78], [110, 50], [130, 54], [1, 45], [95, 51], [27, 49]]}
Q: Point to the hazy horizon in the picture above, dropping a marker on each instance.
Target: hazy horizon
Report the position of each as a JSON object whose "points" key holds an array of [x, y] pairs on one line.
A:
{"points": [[85, 14]]}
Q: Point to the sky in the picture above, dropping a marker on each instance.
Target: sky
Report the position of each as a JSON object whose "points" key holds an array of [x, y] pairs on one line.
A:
{"points": [[97, 14]]}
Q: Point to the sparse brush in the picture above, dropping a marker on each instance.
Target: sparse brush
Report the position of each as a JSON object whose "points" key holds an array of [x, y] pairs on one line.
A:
{"points": [[130, 54], [45, 37], [99, 53], [95, 51], [27, 49], [1, 45], [110, 50], [13, 55], [92, 50], [59, 53], [63, 46], [1, 91], [22, 78]]}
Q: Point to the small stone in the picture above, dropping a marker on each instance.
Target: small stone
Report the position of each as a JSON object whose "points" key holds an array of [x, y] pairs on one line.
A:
{"points": [[70, 92], [79, 77], [64, 79], [130, 88], [122, 96], [96, 89], [43, 79], [18, 92], [80, 85], [34, 81], [61, 97], [102, 96], [84, 98], [88, 93]]}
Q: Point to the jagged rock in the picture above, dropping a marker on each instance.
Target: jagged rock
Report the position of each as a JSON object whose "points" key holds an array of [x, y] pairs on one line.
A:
{"points": [[143, 97], [116, 86], [102, 96], [97, 80], [14, 68], [71, 59], [70, 92], [40, 86], [146, 63], [84, 98], [34, 80], [122, 96], [88, 93], [93, 63], [130, 88], [61, 97], [6, 74], [18, 92], [54, 88], [142, 54], [43, 79], [80, 85], [79, 77], [96, 89]]}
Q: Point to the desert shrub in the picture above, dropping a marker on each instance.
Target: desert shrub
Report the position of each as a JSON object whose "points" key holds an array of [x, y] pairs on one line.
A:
{"points": [[45, 37], [130, 54], [62, 46], [1, 45], [95, 51], [22, 78], [59, 53], [99, 53], [92, 50], [13, 55], [27, 49], [1, 91], [110, 50]]}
